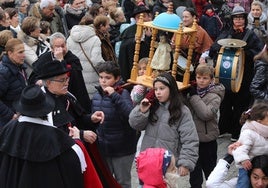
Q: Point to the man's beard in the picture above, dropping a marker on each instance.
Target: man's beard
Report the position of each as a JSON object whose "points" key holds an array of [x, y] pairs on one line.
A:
{"points": [[172, 180]]}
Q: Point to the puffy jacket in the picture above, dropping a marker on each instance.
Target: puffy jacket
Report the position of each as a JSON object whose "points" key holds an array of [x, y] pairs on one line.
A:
{"points": [[115, 137], [12, 83]]}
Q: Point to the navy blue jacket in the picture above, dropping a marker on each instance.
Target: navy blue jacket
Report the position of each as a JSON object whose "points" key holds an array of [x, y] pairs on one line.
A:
{"points": [[115, 136], [11, 84]]}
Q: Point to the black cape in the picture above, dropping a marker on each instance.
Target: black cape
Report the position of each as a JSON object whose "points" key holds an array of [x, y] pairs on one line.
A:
{"points": [[34, 155]]}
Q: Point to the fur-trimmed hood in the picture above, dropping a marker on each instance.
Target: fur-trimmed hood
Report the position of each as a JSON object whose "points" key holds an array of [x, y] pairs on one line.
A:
{"points": [[30, 41]]}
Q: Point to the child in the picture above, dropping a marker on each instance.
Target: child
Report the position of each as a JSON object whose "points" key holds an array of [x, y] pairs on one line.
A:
{"points": [[138, 92], [167, 123], [253, 139], [210, 21], [156, 167], [116, 139], [205, 100]]}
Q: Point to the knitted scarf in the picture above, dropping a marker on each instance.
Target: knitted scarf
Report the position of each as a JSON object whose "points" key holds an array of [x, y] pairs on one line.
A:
{"points": [[203, 91]]}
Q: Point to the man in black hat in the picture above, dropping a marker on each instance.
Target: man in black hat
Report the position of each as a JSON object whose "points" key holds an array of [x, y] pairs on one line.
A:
{"points": [[33, 153], [127, 48], [67, 111], [234, 104]]}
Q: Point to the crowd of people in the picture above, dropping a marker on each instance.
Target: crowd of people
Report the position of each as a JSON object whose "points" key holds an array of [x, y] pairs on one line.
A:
{"points": [[68, 117]]}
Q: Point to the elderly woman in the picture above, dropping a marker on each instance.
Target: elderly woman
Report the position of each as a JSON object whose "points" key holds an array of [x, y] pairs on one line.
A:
{"points": [[35, 43], [12, 79]]}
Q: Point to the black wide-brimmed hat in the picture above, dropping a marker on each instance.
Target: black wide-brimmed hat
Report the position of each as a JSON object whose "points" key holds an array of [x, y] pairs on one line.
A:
{"points": [[140, 9], [50, 69], [34, 102]]}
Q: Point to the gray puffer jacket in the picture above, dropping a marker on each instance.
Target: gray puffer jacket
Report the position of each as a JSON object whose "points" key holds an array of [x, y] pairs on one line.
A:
{"points": [[181, 139]]}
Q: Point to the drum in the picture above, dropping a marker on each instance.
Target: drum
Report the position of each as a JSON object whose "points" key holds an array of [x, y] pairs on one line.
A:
{"points": [[230, 68], [182, 62]]}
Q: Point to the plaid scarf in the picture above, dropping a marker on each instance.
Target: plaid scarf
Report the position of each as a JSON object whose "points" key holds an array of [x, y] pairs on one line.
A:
{"points": [[203, 91]]}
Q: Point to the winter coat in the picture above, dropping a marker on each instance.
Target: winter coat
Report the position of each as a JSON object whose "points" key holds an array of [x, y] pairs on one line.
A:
{"points": [[56, 24], [127, 49], [181, 138], [12, 83], [72, 17], [260, 30], [259, 84], [159, 7], [254, 140], [107, 50], [217, 178], [92, 46], [31, 46], [76, 83], [204, 111], [115, 137], [212, 25]]}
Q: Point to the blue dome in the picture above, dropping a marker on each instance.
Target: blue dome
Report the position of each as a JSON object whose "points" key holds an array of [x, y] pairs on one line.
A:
{"points": [[167, 21]]}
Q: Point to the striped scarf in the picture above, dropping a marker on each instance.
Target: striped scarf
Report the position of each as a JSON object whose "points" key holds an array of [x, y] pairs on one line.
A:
{"points": [[203, 91]]}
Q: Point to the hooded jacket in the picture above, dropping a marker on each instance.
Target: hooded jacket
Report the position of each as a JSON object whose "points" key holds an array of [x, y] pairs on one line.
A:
{"points": [[91, 44]]}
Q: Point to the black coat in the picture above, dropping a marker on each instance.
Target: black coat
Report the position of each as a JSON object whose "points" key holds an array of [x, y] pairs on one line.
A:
{"points": [[12, 83], [73, 19], [34, 155], [127, 50], [259, 84], [76, 84]]}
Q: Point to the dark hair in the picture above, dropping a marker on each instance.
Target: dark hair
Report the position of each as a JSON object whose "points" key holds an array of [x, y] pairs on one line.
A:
{"points": [[175, 99], [109, 67], [86, 20], [94, 9], [260, 162], [258, 111], [191, 11], [11, 12]]}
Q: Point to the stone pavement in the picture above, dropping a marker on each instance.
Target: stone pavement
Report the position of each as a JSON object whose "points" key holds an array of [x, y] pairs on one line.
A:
{"points": [[222, 150]]}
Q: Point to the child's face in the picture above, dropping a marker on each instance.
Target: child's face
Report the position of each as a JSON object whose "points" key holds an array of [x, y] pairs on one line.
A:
{"points": [[142, 69], [264, 121], [107, 80], [161, 92], [203, 81]]}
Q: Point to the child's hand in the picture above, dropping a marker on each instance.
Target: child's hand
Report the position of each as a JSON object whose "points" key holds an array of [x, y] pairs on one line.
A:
{"points": [[233, 147], [246, 164], [109, 90], [145, 105], [183, 171]]}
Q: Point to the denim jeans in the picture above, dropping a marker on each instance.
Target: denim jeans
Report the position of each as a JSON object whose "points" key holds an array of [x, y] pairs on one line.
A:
{"points": [[243, 179]]}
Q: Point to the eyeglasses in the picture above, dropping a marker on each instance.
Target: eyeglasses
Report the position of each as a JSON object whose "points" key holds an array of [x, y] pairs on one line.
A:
{"points": [[63, 80], [239, 17]]}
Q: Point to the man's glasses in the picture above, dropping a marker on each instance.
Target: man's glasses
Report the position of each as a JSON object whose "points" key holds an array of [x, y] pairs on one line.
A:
{"points": [[63, 80], [239, 17]]}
